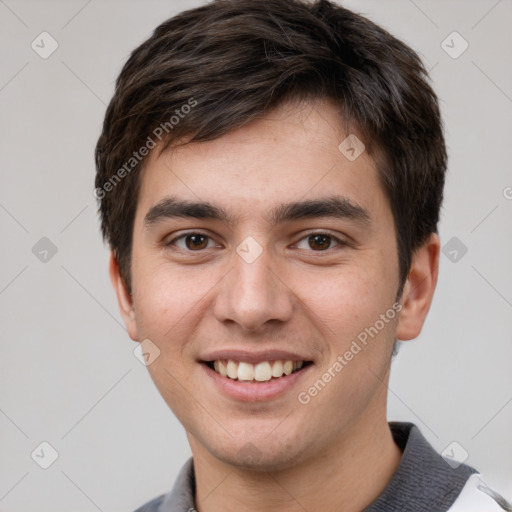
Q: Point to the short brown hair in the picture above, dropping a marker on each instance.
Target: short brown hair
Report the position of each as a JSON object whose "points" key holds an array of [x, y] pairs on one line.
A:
{"points": [[235, 60]]}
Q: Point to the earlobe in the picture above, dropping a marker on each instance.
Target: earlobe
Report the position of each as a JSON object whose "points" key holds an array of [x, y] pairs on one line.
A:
{"points": [[419, 289], [124, 299]]}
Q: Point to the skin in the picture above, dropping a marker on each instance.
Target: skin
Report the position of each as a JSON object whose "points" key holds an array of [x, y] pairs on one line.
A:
{"points": [[336, 452]]}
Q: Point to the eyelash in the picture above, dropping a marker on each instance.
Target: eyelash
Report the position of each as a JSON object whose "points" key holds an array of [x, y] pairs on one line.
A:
{"points": [[339, 242]]}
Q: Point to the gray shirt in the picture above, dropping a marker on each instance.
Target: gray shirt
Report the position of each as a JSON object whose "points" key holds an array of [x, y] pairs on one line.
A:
{"points": [[423, 482]]}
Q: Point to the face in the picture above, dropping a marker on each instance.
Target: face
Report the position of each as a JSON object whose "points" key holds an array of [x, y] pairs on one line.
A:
{"points": [[266, 245]]}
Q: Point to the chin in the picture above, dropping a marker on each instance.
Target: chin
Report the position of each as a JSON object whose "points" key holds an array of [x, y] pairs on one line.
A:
{"points": [[254, 457]]}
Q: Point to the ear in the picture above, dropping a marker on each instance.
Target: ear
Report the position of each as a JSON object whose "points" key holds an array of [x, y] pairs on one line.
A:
{"points": [[419, 289], [124, 299]]}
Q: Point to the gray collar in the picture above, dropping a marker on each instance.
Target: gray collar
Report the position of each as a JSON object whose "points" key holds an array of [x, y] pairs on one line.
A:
{"points": [[423, 482]]}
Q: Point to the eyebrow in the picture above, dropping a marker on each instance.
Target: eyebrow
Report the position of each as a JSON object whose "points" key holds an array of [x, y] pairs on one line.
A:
{"points": [[339, 207]]}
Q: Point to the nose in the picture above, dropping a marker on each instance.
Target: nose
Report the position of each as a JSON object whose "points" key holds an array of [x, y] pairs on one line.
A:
{"points": [[254, 295]]}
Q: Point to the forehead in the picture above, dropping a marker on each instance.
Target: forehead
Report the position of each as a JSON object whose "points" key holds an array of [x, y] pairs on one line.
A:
{"points": [[296, 152]]}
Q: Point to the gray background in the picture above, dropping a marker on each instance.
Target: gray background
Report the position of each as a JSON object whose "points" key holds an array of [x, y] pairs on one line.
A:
{"points": [[68, 375]]}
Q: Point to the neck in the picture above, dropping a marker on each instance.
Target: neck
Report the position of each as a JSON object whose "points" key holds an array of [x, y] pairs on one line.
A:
{"points": [[351, 474]]}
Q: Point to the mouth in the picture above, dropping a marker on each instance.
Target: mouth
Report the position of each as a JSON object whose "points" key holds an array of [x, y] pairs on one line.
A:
{"points": [[261, 372]]}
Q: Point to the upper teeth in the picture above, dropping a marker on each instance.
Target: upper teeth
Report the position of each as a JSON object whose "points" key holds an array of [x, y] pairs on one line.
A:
{"points": [[260, 372]]}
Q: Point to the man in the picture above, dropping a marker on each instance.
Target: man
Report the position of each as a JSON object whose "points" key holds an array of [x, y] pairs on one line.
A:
{"points": [[270, 175]]}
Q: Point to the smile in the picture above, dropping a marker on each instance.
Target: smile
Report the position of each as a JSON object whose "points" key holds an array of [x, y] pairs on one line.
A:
{"points": [[263, 371]]}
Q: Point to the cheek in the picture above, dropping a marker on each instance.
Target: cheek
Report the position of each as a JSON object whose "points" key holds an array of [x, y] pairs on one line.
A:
{"points": [[348, 312], [166, 299], [168, 307], [347, 299]]}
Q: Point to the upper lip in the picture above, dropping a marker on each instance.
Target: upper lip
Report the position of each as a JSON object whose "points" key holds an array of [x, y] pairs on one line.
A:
{"points": [[253, 357]]}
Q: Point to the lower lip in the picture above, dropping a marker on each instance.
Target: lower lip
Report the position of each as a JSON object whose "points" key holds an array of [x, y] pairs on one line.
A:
{"points": [[255, 391]]}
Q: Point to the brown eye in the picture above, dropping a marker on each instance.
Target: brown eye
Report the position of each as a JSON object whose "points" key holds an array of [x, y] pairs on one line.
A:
{"points": [[319, 241], [192, 242]]}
